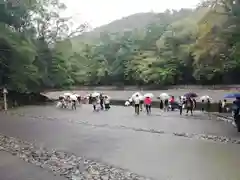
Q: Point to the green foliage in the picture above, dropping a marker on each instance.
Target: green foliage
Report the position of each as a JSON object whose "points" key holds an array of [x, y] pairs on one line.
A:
{"points": [[29, 35], [181, 47], [38, 49]]}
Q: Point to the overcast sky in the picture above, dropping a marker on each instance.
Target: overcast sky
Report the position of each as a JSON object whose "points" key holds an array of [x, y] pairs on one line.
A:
{"points": [[99, 12]]}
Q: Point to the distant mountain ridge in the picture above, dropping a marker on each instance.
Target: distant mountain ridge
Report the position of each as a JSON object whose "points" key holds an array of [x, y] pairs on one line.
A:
{"points": [[135, 21]]}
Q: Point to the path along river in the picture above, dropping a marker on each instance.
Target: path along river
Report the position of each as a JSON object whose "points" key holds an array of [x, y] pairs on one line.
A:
{"points": [[162, 146]]}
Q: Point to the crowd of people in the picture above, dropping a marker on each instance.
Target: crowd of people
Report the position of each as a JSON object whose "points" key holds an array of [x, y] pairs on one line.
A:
{"points": [[99, 101], [188, 102], [166, 104]]}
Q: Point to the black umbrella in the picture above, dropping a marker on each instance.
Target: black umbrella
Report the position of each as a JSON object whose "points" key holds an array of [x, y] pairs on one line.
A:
{"points": [[190, 95]]}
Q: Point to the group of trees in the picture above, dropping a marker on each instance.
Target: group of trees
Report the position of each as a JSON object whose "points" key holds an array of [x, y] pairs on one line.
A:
{"points": [[39, 48], [199, 46], [29, 33]]}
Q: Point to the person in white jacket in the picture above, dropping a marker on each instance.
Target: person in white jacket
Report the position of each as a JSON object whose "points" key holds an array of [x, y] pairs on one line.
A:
{"points": [[136, 101]]}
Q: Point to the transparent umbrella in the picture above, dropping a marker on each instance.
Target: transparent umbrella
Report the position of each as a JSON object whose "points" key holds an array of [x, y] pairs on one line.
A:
{"points": [[205, 97], [95, 94], [164, 96], [149, 95]]}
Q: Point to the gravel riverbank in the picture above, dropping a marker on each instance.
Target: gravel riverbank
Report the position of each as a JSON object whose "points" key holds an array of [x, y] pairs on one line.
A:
{"points": [[63, 163]]}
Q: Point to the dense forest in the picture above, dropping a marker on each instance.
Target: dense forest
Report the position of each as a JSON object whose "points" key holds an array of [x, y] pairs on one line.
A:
{"points": [[39, 49]]}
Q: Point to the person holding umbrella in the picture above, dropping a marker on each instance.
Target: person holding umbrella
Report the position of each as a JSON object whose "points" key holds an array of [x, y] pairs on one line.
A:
{"points": [[189, 102], [236, 108], [148, 102], [101, 97], [107, 102], [189, 105]]}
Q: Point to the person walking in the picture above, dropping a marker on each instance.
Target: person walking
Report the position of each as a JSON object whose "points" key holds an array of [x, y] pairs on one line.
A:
{"points": [[161, 104], [107, 103], [236, 113], [189, 105], [203, 104], [208, 107], [224, 105], [94, 103], [220, 109], [194, 103], [171, 102], [147, 103], [136, 101], [166, 105], [180, 105], [74, 104], [101, 101]]}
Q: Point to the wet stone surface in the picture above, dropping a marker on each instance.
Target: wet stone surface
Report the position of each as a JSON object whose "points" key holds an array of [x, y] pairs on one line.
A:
{"points": [[207, 137], [63, 163]]}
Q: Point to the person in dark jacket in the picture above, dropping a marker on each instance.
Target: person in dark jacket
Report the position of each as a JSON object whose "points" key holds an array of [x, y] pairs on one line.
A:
{"points": [[161, 104], [189, 105], [220, 106], [236, 112], [90, 99], [101, 97], [166, 105], [203, 105]]}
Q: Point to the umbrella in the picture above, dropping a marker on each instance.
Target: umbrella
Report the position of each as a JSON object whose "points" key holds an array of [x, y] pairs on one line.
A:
{"points": [[183, 97], [164, 96], [77, 95], [59, 104], [191, 95], [67, 94], [73, 97], [106, 96], [232, 95], [95, 94], [149, 95], [127, 103], [136, 93], [205, 97]]}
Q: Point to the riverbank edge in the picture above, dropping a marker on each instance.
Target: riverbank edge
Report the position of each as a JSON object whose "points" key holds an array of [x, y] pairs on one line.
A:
{"points": [[235, 87]]}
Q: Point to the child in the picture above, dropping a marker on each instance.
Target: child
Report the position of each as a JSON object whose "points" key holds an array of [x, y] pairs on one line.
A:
{"points": [[107, 103]]}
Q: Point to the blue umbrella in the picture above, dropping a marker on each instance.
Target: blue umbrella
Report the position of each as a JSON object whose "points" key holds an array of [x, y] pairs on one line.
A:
{"points": [[232, 95], [191, 95]]}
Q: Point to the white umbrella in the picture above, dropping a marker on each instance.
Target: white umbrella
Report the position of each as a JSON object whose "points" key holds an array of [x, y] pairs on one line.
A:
{"points": [[183, 97], [127, 103], [149, 95], [95, 94], [205, 97], [77, 95], [67, 94], [59, 104], [107, 96], [141, 98], [164, 96], [73, 97], [136, 93]]}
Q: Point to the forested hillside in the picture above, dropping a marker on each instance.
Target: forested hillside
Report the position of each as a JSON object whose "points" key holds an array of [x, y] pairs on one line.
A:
{"points": [[198, 46], [29, 33]]}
